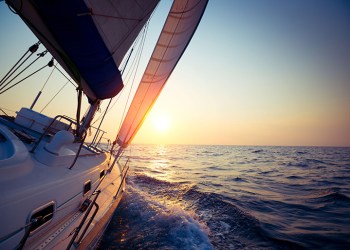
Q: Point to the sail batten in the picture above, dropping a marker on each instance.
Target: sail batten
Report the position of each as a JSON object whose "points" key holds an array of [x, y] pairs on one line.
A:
{"points": [[177, 32]]}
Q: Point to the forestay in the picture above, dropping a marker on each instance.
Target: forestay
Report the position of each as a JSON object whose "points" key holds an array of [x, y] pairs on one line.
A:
{"points": [[177, 32]]}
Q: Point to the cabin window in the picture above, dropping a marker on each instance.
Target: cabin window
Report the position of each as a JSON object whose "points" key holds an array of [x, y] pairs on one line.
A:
{"points": [[102, 173], [42, 216], [87, 187]]}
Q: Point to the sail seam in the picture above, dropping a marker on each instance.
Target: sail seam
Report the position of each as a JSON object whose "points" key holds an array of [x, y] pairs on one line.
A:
{"points": [[143, 99]]}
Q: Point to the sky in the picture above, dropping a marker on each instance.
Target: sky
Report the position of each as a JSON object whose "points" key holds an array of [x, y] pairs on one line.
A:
{"points": [[255, 73]]}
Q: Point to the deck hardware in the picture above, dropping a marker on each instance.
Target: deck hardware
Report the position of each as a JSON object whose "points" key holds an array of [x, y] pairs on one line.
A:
{"points": [[76, 232], [85, 205]]}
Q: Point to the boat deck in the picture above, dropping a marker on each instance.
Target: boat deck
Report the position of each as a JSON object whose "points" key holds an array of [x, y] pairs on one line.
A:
{"points": [[44, 180]]}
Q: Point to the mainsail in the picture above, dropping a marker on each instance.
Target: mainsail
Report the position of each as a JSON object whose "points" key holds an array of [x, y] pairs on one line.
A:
{"points": [[177, 32], [88, 38]]}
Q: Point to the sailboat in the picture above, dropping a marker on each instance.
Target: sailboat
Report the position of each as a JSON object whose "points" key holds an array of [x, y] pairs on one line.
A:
{"points": [[58, 190]]}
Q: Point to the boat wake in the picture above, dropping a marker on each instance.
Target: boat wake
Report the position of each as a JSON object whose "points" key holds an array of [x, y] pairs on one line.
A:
{"points": [[156, 214], [150, 217]]}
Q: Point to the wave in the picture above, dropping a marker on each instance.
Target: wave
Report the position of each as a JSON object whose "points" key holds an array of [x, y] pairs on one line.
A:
{"points": [[315, 161], [148, 218], [159, 214], [236, 198], [301, 152], [210, 153], [330, 195], [334, 197], [266, 172], [239, 179], [216, 168], [296, 164], [295, 177], [143, 158]]}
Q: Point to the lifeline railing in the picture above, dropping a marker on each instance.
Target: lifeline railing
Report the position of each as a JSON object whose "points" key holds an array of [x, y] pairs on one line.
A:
{"points": [[47, 131], [93, 145]]}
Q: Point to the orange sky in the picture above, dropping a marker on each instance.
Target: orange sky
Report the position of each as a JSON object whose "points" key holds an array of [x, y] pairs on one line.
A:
{"points": [[255, 73]]}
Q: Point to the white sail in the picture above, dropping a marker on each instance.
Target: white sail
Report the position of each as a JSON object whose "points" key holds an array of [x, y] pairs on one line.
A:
{"points": [[89, 38], [177, 32], [119, 22]]}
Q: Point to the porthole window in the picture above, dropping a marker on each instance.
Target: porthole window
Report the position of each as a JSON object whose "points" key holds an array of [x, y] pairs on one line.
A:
{"points": [[102, 173], [87, 187], [42, 216]]}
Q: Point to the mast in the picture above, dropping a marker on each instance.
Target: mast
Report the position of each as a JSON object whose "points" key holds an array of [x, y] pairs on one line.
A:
{"points": [[86, 120]]}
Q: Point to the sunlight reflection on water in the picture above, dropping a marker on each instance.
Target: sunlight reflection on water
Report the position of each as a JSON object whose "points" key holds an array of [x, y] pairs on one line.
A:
{"points": [[264, 197]]}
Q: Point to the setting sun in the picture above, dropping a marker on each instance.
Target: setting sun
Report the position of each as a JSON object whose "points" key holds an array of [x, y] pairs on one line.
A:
{"points": [[161, 123]]}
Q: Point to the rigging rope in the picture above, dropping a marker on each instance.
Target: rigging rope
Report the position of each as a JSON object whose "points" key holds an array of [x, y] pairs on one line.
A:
{"points": [[31, 49], [13, 85], [133, 81], [69, 80], [41, 91], [54, 96], [3, 111], [110, 100], [39, 55], [140, 37], [49, 75]]}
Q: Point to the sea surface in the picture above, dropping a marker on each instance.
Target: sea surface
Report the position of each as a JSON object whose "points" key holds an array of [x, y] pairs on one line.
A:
{"points": [[233, 197]]}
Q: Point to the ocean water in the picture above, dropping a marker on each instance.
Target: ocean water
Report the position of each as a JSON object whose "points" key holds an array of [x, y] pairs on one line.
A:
{"points": [[234, 197]]}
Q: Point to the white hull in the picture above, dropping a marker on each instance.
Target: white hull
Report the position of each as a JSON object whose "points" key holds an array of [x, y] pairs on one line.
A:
{"points": [[40, 184]]}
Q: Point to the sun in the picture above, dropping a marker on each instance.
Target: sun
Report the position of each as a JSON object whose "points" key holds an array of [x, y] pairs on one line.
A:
{"points": [[161, 123]]}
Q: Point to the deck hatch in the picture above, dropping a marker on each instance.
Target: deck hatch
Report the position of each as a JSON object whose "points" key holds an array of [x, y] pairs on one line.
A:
{"points": [[87, 187], [42, 216]]}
